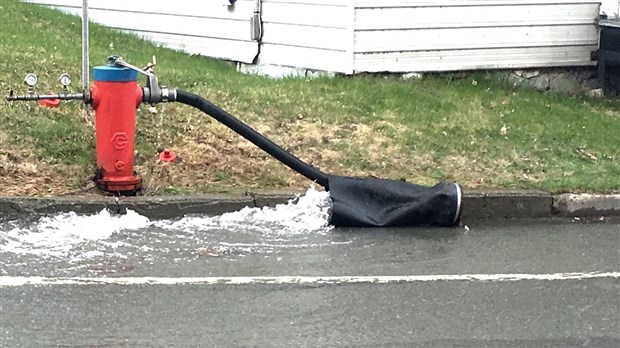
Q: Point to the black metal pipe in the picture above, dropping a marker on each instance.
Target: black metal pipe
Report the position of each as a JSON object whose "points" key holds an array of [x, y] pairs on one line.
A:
{"points": [[254, 137], [33, 97]]}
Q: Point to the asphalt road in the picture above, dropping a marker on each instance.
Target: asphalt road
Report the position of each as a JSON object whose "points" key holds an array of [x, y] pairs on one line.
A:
{"points": [[492, 284]]}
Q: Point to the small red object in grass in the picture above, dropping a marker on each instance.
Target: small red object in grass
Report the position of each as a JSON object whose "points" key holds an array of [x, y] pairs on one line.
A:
{"points": [[50, 103], [167, 156]]}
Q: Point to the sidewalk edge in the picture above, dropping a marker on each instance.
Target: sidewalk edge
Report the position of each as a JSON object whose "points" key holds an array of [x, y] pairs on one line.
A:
{"points": [[476, 205]]}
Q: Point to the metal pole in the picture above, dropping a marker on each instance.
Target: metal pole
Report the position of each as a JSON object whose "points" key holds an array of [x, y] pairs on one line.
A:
{"points": [[85, 58]]}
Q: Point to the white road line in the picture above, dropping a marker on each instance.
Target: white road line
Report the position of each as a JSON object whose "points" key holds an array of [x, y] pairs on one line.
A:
{"points": [[8, 281]]}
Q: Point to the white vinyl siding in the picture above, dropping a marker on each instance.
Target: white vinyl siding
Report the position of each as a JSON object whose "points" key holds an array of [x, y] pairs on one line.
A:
{"points": [[312, 34], [349, 36], [210, 28], [441, 35]]}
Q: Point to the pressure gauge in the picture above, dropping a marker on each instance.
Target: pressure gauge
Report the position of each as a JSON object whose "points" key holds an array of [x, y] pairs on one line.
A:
{"points": [[65, 79], [31, 80]]}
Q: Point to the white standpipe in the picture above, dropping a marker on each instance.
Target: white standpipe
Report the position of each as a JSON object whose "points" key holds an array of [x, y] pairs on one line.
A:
{"points": [[85, 58]]}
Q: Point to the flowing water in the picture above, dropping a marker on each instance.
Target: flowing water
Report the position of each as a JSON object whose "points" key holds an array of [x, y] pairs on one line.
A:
{"points": [[71, 244]]}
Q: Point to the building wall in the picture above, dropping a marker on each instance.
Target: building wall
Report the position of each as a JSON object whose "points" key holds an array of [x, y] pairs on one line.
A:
{"points": [[440, 35], [210, 27], [350, 36], [313, 34]]}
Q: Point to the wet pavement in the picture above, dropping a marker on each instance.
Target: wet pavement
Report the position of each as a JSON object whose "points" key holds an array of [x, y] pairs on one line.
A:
{"points": [[433, 312]]}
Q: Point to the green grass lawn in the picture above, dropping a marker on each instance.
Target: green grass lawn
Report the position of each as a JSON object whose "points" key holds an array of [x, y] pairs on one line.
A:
{"points": [[475, 130]]}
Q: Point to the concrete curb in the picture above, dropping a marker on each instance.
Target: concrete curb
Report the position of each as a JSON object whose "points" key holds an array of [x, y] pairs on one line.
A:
{"points": [[586, 205], [476, 205]]}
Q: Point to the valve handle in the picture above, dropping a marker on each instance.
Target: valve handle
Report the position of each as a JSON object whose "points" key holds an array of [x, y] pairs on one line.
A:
{"points": [[117, 60], [150, 65]]}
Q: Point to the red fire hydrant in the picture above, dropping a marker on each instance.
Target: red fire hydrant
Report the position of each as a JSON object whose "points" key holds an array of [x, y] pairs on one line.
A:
{"points": [[115, 97]]}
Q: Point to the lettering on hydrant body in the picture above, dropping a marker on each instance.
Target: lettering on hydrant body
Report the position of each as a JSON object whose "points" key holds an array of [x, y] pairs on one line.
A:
{"points": [[120, 166], [120, 140]]}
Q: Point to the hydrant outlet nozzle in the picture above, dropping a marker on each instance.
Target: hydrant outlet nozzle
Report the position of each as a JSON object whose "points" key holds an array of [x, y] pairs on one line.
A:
{"points": [[158, 95]]}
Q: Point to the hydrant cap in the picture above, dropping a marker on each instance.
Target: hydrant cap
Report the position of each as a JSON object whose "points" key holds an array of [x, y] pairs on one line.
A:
{"points": [[111, 73]]}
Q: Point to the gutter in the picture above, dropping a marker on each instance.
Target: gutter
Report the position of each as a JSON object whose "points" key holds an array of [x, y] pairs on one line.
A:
{"points": [[256, 24]]}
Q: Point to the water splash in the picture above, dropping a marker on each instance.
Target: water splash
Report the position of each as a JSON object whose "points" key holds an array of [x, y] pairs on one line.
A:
{"points": [[302, 215], [59, 235], [75, 238]]}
